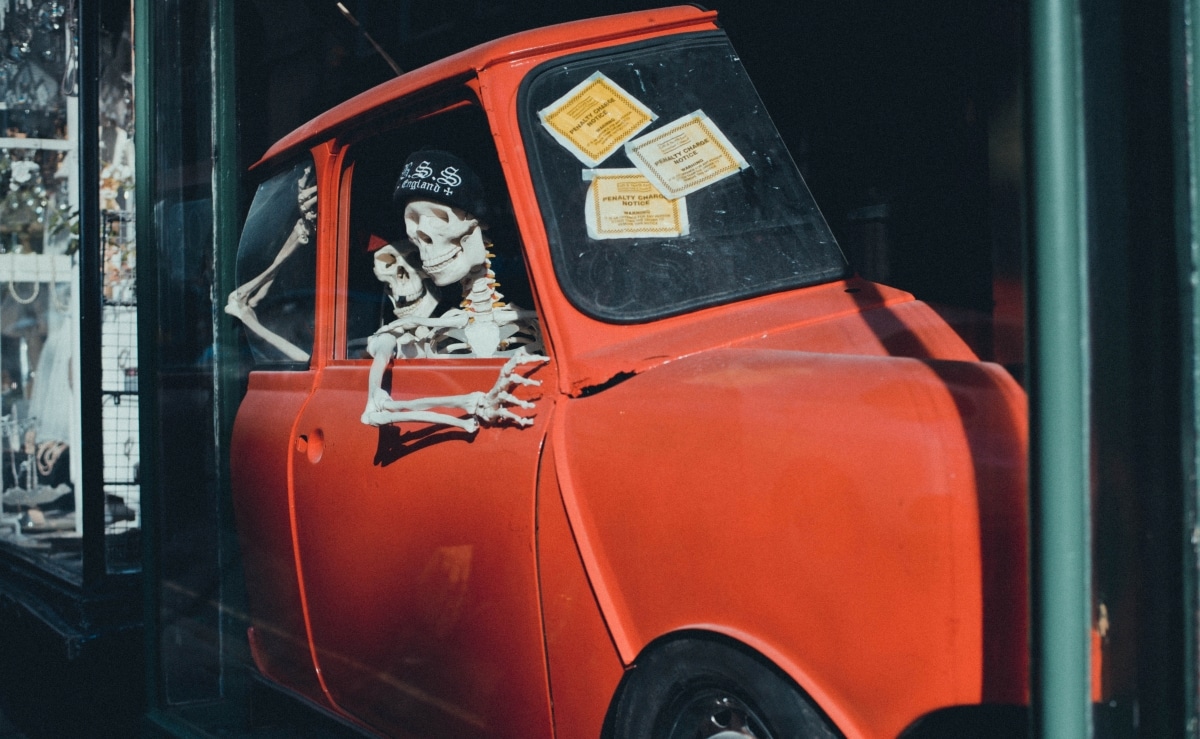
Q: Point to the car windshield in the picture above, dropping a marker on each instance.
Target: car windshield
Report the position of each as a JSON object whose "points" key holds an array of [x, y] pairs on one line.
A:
{"points": [[663, 183]]}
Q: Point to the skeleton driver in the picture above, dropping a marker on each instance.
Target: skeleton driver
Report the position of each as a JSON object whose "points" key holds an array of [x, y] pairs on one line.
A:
{"points": [[445, 213], [444, 205]]}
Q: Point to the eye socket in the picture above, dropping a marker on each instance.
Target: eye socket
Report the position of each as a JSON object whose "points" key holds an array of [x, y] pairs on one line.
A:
{"points": [[386, 259], [463, 237]]}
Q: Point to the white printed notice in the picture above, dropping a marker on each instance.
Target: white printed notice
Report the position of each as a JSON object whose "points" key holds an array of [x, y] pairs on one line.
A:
{"points": [[622, 204], [595, 118], [685, 155]]}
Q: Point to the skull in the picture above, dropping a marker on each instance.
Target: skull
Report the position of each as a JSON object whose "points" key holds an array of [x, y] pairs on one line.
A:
{"points": [[404, 284], [450, 240]]}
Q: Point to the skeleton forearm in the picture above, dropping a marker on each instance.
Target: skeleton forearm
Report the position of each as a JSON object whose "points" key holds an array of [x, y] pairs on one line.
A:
{"points": [[383, 418], [466, 402], [246, 315]]}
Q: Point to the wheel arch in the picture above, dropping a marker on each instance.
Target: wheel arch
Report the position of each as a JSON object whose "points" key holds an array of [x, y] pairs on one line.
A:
{"points": [[772, 659]]}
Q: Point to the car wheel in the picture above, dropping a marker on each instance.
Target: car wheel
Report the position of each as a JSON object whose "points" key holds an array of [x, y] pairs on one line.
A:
{"points": [[703, 689]]}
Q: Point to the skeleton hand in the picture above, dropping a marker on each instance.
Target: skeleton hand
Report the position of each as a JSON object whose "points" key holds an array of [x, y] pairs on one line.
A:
{"points": [[490, 407], [308, 214], [306, 195]]}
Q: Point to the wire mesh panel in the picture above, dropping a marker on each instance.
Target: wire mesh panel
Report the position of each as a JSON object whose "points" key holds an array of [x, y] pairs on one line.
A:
{"points": [[119, 385]]}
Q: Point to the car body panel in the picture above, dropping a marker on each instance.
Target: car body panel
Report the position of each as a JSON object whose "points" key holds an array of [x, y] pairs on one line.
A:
{"points": [[264, 441], [584, 665], [418, 557], [659, 466], [826, 475]]}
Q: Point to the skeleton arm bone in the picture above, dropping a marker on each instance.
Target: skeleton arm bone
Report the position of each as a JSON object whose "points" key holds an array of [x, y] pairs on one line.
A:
{"points": [[242, 301], [381, 347], [451, 319], [384, 418], [252, 293], [306, 198], [418, 410], [246, 315], [487, 407]]}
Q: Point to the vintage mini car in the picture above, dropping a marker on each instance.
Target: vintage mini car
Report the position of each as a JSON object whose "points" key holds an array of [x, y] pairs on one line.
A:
{"points": [[658, 464]]}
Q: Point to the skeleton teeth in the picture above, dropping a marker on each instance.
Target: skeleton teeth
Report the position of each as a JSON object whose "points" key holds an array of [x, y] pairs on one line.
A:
{"points": [[407, 309], [441, 264]]}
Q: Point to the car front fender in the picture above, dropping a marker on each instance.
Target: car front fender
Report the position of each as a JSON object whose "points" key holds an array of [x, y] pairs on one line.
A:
{"points": [[858, 520]]}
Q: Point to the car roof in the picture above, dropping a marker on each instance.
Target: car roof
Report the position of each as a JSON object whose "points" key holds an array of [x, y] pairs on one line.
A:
{"points": [[503, 50]]}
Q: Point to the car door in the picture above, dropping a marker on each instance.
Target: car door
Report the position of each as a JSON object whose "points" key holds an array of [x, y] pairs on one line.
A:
{"points": [[415, 541], [275, 302]]}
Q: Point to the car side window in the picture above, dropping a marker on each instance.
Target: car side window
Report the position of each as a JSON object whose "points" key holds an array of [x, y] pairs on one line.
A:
{"points": [[276, 269], [433, 264]]}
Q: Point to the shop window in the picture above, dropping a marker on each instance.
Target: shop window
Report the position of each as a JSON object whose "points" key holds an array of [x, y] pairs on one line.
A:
{"points": [[41, 278]]}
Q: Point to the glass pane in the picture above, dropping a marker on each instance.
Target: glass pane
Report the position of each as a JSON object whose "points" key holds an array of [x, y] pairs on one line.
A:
{"points": [[119, 389], [39, 309], [184, 449], [276, 268], [39, 276], [118, 337]]}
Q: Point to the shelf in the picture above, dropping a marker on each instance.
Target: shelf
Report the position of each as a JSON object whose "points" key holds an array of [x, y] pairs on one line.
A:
{"points": [[18, 143], [35, 267]]}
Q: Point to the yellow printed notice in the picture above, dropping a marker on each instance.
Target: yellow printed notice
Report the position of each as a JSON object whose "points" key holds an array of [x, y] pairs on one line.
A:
{"points": [[685, 155], [595, 118], [622, 204]]}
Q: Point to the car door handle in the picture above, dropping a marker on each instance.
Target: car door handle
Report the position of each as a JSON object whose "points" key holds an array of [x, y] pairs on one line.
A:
{"points": [[311, 445]]}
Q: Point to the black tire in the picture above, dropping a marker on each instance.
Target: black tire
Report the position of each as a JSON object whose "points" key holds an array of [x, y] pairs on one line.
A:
{"points": [[704, 689]]}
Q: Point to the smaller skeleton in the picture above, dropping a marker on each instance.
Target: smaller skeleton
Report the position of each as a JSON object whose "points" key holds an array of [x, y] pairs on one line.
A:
{"points": [[412, 300], [243, 300]]}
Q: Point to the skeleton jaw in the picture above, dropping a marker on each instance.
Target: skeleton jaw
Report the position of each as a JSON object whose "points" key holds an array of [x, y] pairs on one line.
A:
{"points": [[404, 292], [447, 266], [418, 306]]}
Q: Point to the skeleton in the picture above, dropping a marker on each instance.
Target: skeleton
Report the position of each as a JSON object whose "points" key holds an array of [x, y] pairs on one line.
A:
{"points": [[452, 249], [411, 300], [243, 300]]}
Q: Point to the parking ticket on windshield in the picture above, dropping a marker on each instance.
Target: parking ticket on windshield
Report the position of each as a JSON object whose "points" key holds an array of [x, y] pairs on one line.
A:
{"points": [[685, 155], [621, 204], [595, 118]]}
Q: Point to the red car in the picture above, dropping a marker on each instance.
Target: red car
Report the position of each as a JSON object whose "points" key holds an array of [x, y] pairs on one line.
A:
{"points": [[569, 419]]}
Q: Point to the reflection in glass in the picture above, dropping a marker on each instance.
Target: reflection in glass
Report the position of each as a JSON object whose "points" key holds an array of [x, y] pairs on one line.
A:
{"points": [[40, 428]]}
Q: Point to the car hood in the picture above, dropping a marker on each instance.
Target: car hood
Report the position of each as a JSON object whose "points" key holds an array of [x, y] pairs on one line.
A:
{"points": [[847, 317]]}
